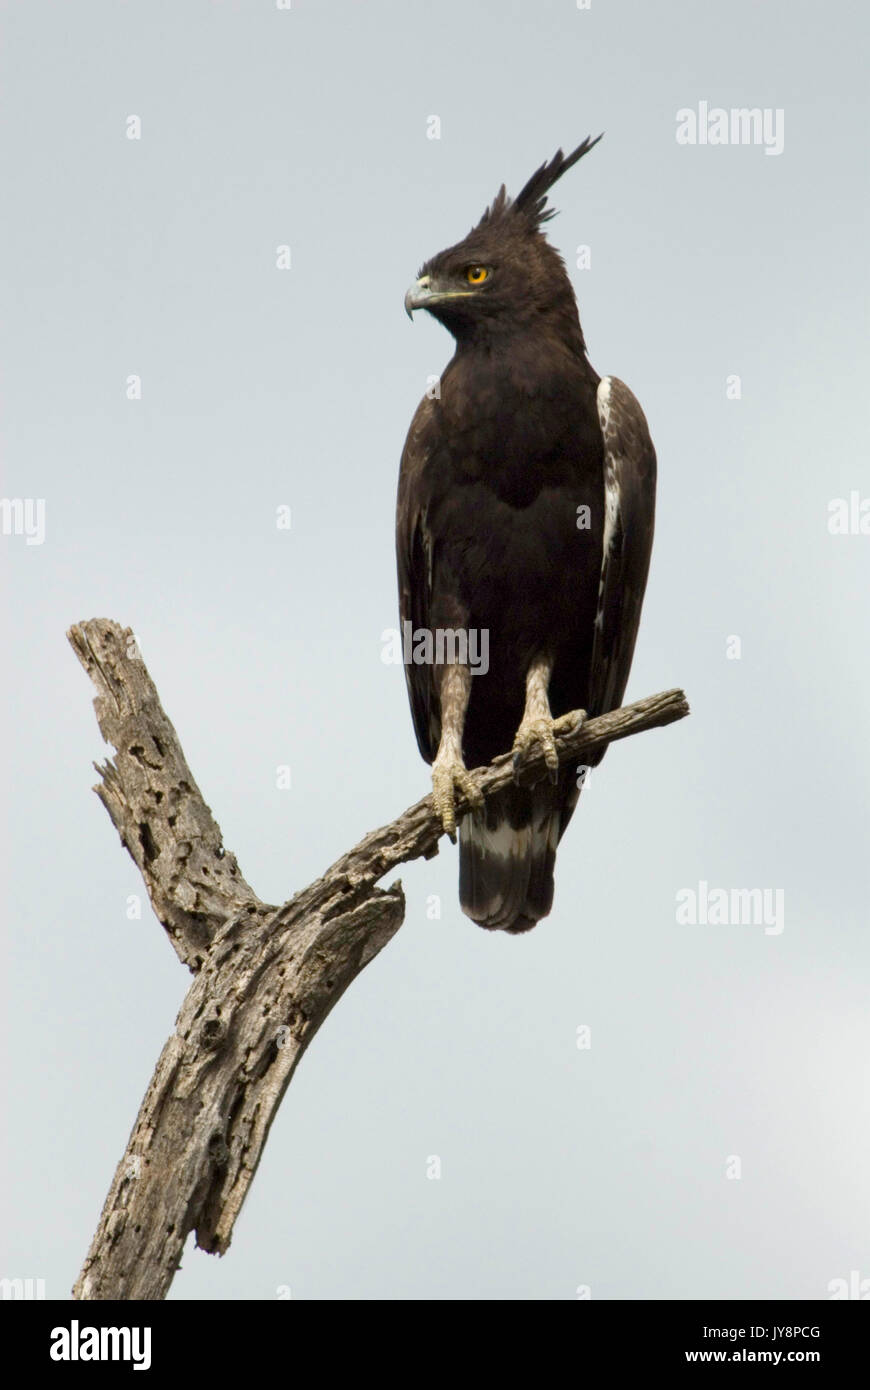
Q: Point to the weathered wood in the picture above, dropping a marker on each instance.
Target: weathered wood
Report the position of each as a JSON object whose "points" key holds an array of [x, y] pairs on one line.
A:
{"points": [[153, 800], [266, 977]]}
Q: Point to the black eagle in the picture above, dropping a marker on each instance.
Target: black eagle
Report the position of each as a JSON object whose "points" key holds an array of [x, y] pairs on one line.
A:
{"points": [[525, 512]]}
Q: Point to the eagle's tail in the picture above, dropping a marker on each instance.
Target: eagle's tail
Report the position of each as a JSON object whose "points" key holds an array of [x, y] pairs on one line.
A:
{"points": [[507, 853]]}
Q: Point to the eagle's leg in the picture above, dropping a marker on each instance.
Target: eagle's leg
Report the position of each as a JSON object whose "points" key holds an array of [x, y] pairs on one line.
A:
{"points": [[449, 772], [536, 726]]}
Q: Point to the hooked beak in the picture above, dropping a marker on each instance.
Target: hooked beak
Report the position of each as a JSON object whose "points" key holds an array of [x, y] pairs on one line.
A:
{"points": [[425, 292], [418, 296]]}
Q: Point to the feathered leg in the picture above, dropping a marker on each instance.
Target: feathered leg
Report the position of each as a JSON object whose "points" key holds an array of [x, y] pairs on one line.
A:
{"points": [[448, 770], [536, 726]]}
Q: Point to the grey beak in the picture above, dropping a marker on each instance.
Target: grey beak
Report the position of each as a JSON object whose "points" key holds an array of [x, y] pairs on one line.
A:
{"points": [[417, 296]]}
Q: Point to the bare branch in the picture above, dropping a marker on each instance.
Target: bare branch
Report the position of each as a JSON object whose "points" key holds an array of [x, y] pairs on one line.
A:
{"points": [[266, 977], [152, 798]]}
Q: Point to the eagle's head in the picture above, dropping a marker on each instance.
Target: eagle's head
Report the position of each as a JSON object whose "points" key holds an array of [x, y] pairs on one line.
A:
{"points": [[504, 276]]}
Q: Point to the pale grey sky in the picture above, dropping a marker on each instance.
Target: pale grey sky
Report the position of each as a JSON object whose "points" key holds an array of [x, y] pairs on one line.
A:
{"points": [[561, 1167]]}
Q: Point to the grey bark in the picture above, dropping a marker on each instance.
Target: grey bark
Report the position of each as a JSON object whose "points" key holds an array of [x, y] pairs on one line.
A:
{"points": [[265, 976]]}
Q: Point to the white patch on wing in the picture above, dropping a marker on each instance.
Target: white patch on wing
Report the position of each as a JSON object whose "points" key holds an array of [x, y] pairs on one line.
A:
{"points": [[611, 489], [603, 399]]}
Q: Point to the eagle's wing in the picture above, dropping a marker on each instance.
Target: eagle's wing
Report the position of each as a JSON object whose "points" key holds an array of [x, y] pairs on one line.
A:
{"points": [[629, 513], [414, 554]]}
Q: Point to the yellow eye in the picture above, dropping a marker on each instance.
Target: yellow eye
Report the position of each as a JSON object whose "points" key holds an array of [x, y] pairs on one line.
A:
{"points": [[476, 274]]}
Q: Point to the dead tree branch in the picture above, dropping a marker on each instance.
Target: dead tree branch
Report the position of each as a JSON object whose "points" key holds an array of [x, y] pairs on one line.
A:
{"points": [[265, 977]]}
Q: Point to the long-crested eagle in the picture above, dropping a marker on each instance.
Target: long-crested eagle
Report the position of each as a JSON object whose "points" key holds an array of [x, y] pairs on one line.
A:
{"points": [[525, 513]]}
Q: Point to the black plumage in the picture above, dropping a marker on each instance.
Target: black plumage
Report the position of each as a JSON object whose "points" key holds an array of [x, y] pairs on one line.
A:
{"points": [[525, 508]]}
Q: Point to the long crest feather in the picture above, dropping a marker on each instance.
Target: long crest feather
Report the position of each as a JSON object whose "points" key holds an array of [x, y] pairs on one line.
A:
{"points": [[531, 201]]}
